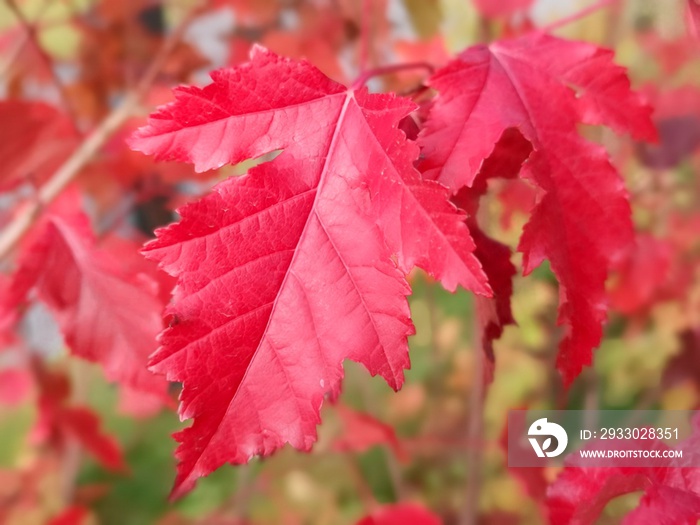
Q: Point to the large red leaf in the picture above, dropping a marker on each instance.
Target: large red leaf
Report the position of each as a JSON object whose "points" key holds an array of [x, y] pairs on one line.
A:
{"points": [[106, 315], [287, 271], [272, 103], [545, 87]]}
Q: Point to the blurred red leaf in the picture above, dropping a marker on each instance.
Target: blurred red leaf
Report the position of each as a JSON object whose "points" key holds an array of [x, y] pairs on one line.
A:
{"points": [[39, 139], [106, 315], [642, 271], [671, 54], [362, 431], [58, 422], [677, 117]]}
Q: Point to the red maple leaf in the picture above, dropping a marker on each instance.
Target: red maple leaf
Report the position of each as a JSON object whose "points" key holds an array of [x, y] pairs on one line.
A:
{"points": [[106, 315], [299, 264], [545, 86]]}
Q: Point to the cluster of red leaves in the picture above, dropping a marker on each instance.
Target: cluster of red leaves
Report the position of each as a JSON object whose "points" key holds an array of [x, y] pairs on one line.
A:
{"points": [[303, 262], [268, 262]]}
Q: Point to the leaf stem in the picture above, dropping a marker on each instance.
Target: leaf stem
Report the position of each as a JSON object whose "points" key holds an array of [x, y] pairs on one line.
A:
{"points": [[386, 70], [27, 214], [601, 4]]}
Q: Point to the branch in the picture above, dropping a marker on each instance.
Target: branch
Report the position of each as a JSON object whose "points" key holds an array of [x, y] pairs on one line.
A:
{"points": [[28, 214]]}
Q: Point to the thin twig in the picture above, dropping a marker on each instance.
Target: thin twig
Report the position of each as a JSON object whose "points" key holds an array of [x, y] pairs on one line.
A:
{"points": [[578, 15], [26, 216]]}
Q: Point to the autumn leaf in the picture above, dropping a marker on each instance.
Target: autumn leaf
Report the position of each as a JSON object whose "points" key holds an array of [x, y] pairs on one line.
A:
{"points": [[268, 263], [106, 315], [228, 122], [545, 87]]}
